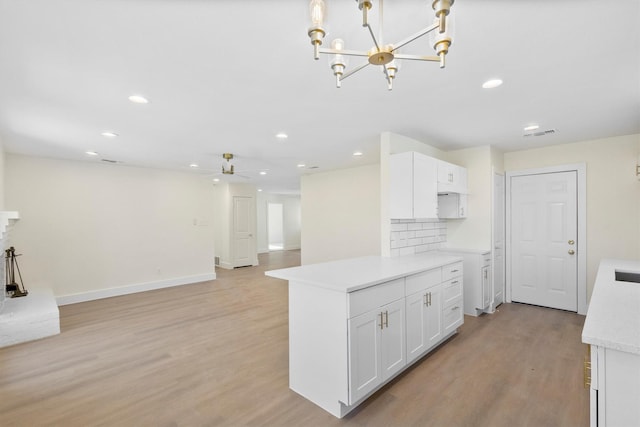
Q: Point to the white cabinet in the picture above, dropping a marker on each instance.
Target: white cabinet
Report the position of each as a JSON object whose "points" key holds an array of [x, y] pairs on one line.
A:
{"points": [[451, 178], [424, 312], [452, 297], [413, 189], [478, 287], [348, 338], [615, 387], [376, 348], [452, 206], [376, 337]]}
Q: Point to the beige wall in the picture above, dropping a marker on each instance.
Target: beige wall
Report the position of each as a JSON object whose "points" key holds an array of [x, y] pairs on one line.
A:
{"points": [[613, 193], [340, 214], [88, 229]]}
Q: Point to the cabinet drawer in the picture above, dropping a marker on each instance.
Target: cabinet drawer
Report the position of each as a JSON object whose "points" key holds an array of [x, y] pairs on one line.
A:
{"points": [[361, 301], [452, 270], [452, 316], [451, 291], [424, 280]]}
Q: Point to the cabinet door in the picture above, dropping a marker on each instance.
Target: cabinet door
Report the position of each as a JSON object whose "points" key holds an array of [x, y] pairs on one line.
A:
{"points": [[486, 286], [425, 186], [416, 305], [392, 339], [452, 317], [433, 328], [445, 172], [462, 206], [364, 361]]}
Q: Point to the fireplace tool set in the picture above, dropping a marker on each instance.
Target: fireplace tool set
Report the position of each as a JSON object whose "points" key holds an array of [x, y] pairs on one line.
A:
{"points": [[10, 267]]}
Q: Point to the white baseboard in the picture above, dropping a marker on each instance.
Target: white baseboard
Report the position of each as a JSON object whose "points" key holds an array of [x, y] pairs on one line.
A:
{"points": [[132, 289]]}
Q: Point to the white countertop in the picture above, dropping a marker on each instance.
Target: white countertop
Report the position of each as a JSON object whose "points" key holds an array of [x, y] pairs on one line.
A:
{"points": [[349, 275], [613, 318]]}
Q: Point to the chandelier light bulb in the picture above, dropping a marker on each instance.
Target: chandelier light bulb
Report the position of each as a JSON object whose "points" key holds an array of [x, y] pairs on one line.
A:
{"points": [[317, 10], [316, 32]]}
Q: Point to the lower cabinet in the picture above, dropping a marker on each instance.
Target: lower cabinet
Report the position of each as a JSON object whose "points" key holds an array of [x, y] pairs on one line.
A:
{"points": [[343, 346], [424, 320], [376, 348], [614, 381]]}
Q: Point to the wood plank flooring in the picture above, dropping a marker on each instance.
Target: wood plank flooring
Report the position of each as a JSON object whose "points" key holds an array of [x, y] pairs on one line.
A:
{"points": [[215, 354]]}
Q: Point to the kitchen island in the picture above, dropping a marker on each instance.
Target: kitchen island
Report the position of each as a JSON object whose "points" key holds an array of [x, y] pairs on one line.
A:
{"points": [[612, 330], [355, 324]]}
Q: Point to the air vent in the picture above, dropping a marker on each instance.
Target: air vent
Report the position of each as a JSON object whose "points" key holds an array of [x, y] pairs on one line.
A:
{"points": [[313, 167], [109, 161], [541, 133]]}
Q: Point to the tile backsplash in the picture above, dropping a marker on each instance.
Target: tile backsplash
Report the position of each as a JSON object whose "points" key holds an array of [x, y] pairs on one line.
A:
{"points": [[412, 236]]}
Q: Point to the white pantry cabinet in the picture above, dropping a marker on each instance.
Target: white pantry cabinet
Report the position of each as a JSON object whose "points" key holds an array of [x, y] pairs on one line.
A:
{"points": [[413, 188]]}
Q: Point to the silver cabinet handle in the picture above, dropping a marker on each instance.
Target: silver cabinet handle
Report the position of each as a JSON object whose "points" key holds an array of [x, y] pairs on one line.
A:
{"points": [[571, 252]]}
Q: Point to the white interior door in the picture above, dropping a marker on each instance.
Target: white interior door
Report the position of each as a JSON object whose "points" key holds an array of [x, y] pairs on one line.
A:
{"points": [[498, 239], [244, 247], [544, 229]]}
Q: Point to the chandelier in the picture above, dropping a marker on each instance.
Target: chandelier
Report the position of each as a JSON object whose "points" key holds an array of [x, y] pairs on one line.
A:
{"points": [[380, 54]]}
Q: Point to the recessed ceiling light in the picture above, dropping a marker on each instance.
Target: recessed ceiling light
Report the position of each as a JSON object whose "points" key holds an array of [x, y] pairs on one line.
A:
{"points": [[301, 165], [490, 84], [263, 172], [109, 134], [193, 165], [91, 153], [216, 179], [138, 99], [259, 189], [532, 127], [282, 135], [357, 153]]}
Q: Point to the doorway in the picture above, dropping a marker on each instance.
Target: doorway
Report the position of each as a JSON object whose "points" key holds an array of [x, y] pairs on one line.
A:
{"points": [[546, 237], [275, 226]]}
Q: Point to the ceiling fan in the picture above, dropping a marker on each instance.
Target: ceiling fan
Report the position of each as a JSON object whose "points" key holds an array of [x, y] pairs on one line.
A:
{"points": [[228, 167]]}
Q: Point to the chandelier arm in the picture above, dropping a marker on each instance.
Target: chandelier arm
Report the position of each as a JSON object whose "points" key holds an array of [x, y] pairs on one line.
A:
{"points": [[417, 57], [375, 42], [415, 36], [344, 52], [353, 71]]}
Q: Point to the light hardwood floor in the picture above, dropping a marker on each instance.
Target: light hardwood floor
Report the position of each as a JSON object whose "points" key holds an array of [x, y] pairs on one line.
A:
{"points": [[215, 354]]}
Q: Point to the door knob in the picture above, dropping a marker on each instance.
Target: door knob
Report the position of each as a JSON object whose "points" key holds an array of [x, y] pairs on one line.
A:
{"points": [[571, 252], [571, 242]]}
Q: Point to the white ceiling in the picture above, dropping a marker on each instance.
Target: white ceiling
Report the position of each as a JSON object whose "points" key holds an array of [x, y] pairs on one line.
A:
{"points": [[227, 75]]}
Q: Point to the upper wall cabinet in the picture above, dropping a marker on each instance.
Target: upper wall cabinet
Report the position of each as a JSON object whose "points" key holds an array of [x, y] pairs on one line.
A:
{"points": [[413, 188], [451, 178]]}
